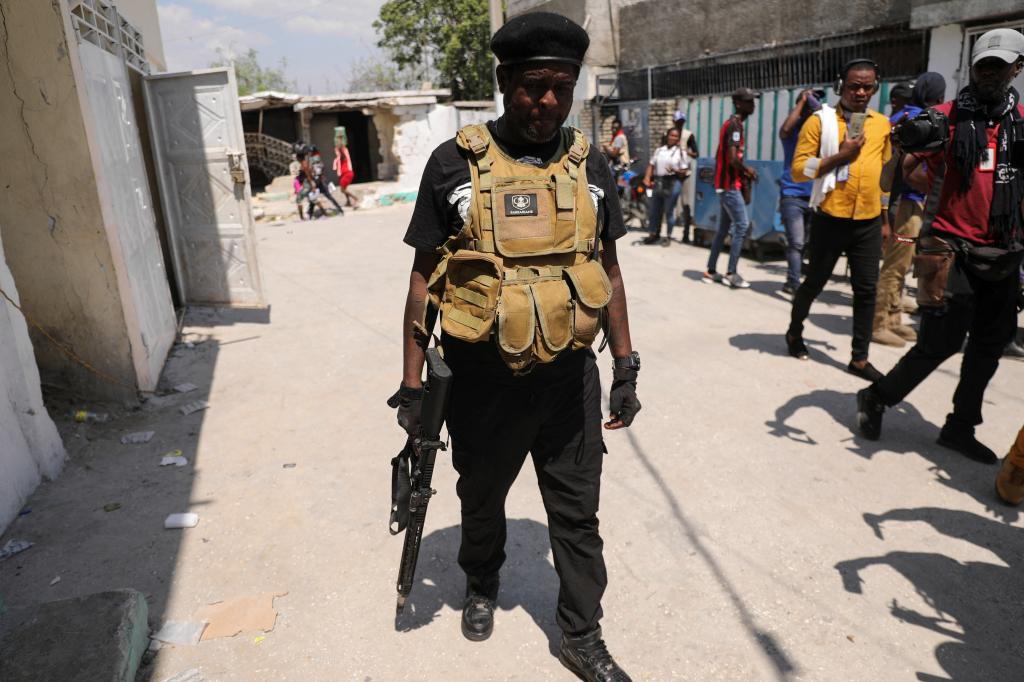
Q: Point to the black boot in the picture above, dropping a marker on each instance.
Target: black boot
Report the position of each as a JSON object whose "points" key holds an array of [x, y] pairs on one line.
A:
{"points": [[961, 438], [478, 613], [588, 657], [869, 413]]}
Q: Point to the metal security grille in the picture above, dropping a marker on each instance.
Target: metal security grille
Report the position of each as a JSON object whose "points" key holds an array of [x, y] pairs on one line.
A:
{"points": [[900, 52], [100, 23]]}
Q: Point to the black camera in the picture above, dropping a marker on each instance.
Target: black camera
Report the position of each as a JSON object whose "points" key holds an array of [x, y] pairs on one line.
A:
{"points": [[926, 132]]}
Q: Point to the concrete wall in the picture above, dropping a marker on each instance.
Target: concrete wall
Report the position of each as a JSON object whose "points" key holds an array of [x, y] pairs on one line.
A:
{"points": [[928, 13], [419, 130], [58, 222], [30, 447], [143, 16], [600, 17], [658, 32], [945, 47]]}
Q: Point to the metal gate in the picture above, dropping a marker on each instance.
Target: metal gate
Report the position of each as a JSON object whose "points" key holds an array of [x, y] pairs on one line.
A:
{"points": [[197, 137]]}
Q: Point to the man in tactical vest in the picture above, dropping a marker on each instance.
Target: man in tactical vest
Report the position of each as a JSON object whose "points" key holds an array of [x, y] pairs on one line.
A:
{"points": [[514, 230]]}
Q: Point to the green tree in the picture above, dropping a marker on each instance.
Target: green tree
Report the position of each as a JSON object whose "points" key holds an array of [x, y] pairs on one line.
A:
{"points": [[378, 73], [251, 76], [449, 38]]}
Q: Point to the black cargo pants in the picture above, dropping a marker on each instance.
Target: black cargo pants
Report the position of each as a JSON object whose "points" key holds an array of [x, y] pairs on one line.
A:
{"points": [[494, 422], [983, 312]]}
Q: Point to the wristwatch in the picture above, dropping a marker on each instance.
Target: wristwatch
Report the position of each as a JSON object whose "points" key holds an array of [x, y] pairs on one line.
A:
{"points": [[631, 361]]}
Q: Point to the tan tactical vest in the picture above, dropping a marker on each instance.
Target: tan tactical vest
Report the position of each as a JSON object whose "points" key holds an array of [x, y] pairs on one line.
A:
{"points": [[526, 266]]}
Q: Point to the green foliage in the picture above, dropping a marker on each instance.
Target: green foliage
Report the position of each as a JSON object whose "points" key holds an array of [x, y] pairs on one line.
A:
{"points": [[449, 38], [251, 76], [377, 73]]}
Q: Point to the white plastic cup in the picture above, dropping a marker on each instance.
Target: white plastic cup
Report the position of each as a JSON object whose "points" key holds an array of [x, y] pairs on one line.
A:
{"points": [[185, 520]]}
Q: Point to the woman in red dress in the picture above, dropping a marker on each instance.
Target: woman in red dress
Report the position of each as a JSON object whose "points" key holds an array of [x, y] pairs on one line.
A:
{"points": [[343, 167]]}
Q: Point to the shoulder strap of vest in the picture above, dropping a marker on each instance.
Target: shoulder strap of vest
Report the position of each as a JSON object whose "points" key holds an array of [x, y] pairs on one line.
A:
{"points": [[477, 139], [580, 147], [474, 137]]}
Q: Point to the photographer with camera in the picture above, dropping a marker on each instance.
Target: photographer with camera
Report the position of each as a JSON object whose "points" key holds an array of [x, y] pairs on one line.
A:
{"points": [[909, 187], [969, 253]]}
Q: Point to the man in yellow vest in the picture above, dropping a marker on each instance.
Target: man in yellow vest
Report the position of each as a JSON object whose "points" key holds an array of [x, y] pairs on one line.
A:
{"points": [[514, 230]]}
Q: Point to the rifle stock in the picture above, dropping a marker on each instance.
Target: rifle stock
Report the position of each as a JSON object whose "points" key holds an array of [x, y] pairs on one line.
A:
{"points": [[422, 453]]}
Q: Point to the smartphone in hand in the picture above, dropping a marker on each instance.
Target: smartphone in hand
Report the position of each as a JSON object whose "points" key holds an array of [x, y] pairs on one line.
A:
{"points": [[856, 127]]}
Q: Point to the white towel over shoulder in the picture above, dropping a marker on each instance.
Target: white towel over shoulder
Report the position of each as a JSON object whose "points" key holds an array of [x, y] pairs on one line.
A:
{"points": [[829, 145]]}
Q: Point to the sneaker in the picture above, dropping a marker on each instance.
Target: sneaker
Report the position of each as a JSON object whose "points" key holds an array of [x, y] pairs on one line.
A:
{"points": [[796, 347], [867, 372], [963, 441], [906, 332], [588, 657], [788, 290], [737, 282], [869, 413], [888, 337], [711, 277], [651, 239]]}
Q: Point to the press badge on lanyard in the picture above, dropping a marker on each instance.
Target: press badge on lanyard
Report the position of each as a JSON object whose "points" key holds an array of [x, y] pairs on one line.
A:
{"points": [[988, 159]]}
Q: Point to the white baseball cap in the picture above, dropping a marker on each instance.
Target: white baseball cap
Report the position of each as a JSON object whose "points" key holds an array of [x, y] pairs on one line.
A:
{"points": [[1004, 43]]}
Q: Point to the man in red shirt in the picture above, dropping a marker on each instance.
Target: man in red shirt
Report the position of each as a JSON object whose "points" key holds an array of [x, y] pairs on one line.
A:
{"points": [[730, 176], [980, 214]]}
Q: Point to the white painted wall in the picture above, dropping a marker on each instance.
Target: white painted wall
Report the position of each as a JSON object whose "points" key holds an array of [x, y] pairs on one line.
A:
{"points": [[418, 132], [30, 447], [944, 55]]}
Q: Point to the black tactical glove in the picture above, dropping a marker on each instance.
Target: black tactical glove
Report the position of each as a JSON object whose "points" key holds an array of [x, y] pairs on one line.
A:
{"points": [[623, 403], [409, 402]]}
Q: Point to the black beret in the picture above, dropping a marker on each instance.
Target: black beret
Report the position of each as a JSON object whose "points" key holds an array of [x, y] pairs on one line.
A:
{"points": [[540, 37]]}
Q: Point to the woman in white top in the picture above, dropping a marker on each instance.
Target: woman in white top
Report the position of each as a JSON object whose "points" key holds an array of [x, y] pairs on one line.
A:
{"points": [[669, 166]]}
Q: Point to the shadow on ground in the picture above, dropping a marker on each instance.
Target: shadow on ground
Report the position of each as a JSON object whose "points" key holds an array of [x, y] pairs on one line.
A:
{"points": [[974, 603], [781, 662], [99, 526], [904, 431], [528, 578]]}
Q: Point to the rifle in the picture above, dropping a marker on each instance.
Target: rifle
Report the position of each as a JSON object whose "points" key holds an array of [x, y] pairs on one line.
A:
{"points": [[413, 468]]}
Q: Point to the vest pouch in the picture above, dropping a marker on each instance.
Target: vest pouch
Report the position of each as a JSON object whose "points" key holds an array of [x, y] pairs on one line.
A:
{"points": [[586, 322], [517, 324], [471, 291], [532, 217], [554, 318], [590, 283]]}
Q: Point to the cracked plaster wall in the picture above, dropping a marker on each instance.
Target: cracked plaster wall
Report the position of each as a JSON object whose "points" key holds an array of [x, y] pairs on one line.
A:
{"points": [[50, 218]]}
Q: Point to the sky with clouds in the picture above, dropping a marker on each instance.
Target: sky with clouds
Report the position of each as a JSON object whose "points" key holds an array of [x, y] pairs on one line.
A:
{"points": [[320, 39]]}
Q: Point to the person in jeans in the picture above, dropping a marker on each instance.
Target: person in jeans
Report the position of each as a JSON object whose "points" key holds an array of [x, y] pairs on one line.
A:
{"points": [[850, 207], [730, 176], [910, 186], [688, 143], [668, 168], [979, 205], [794, 204]]}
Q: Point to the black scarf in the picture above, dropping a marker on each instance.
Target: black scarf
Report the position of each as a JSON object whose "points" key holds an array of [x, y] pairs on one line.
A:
{"points": [[970, 141]]}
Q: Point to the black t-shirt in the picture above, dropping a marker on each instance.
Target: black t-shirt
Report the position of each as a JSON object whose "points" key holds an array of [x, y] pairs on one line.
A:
{"points": [[440, 212], [443, 200]]}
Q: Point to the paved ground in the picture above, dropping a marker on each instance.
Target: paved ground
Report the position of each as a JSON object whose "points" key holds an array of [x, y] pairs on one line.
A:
{"points": [[750, 534]]}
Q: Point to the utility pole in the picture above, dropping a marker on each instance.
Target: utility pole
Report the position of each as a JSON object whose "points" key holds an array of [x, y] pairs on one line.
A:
{"points": [[497, 19]]}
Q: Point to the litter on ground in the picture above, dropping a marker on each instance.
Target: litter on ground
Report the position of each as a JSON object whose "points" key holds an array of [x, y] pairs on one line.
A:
{"points": [[194, 406], [14, 547], [242, 614], [137, 438], [183, 520]]}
